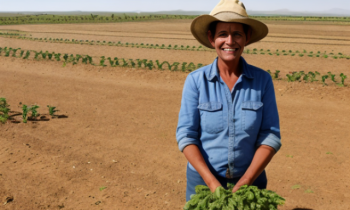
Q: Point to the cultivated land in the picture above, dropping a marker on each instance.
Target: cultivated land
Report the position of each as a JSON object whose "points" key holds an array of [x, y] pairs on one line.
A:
{"points": [[120, 130]]}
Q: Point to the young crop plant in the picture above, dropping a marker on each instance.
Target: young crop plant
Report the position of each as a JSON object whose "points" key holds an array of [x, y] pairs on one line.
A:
{"points": [[132, 63], [4, 110], [246, 198], [343, 77], [324, 77], [36, 56], [183, 67], [34, 111], [276, 74], [52, 110], [160, 65], [26, 56], [332, 76], [102, 61], [25, 111], [140, 62], [14, 52]]}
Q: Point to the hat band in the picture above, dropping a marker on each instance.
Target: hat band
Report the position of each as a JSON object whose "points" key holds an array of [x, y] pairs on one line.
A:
{"points": [[227, 16]]}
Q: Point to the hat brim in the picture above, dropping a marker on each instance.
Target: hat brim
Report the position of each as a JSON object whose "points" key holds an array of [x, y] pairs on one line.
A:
{"points": [[200, 26]]}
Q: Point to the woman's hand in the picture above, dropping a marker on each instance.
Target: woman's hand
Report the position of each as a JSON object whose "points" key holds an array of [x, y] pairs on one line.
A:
{"points": [[240, 183], [195, 157], [262, 157], [213, 185]]}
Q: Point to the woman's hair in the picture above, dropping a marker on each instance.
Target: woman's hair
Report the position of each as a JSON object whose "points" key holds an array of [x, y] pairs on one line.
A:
{"points": [[212, 28]]}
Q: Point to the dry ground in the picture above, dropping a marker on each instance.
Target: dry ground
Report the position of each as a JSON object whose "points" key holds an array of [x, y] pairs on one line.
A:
{"points": [[120, 130]]}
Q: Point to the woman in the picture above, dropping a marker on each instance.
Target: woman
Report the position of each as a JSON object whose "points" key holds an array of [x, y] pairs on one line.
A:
{"points": [[228, 125]]}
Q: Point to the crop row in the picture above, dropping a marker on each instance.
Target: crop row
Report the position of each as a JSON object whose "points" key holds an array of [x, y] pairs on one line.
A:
{"points": [[303, 18], [56, 19], [312, 77], [149, 64], [86, 59], [44, 18], [5, 112], [299, 53]]}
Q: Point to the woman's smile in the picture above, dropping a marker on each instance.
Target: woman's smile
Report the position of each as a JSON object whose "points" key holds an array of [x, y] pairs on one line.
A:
{"points": [[229, 41]]}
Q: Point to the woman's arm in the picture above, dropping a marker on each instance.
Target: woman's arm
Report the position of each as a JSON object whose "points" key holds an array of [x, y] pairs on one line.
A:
{"points": [[195, 157], [187, 133], [262, 157]]}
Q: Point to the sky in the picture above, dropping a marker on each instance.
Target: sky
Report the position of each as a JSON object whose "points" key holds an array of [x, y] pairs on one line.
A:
{"points": [[166, 5]]}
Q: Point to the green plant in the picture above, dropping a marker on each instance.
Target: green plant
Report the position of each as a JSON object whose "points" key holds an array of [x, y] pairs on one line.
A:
{"points": [[276, 74], [343, 77], [295, 76], [324, 77], [4, 110], [247, 197], [25, 111], [332, 76], [102, 188], [27, 55], [34, 111], [102, 61], [52, 110]]}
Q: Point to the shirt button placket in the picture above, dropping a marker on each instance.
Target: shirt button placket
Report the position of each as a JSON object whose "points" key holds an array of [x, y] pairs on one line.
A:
{"points": [[231, 133]]}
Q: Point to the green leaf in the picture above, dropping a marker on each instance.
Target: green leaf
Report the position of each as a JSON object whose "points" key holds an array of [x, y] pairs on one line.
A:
{"points": [[102, 188], [250, 196], [201, 188], [218, 192]]}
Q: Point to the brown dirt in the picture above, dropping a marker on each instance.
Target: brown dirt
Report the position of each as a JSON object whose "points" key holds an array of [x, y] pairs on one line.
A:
{"points": [[120, 132]]}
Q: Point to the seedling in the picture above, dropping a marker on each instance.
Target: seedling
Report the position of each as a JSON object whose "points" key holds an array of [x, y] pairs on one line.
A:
{"points": [[295, 187], [4, 110], [324, 77], [34, 112], [309, 191], [102, 188], [24, 113], [276, 74], [52, 110]]}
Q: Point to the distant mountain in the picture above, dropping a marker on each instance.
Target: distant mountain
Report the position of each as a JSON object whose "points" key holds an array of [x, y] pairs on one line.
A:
{"points": [[286, 12], [338, 11], [281, 12]]}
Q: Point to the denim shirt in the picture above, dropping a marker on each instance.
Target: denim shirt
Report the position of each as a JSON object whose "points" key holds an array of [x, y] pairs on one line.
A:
{"points": [[228, 126]]}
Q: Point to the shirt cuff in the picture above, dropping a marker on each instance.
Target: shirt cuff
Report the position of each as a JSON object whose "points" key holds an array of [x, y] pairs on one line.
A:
{"points": [[187, 141], [270, 140]]}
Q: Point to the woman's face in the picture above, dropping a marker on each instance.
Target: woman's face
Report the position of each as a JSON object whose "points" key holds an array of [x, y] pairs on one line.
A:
{"points": [[229, 41]]}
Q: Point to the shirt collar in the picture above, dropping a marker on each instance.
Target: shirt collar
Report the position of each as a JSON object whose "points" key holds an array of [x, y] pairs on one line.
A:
{"points": [[213, 72]]}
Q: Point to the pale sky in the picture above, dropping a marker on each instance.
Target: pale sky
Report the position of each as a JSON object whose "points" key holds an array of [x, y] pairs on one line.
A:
{"points": [[162, 5]]}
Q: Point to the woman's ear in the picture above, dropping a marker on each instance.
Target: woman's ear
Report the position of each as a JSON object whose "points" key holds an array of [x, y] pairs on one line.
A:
{"points": [[211, 39], [248, 35]]}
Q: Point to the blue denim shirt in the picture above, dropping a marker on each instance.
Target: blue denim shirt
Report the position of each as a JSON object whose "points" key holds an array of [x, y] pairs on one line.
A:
{"points": [[228, 126]]}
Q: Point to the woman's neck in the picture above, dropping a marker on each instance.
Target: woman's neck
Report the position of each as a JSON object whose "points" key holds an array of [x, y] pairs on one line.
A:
{"points": [[230, 69]]}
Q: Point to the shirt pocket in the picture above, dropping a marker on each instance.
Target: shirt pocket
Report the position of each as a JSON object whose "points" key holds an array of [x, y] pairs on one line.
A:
{"points": [[251, 115], [211, 117]]}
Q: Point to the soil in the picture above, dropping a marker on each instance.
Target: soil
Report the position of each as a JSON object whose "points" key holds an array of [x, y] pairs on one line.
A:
{"points": [[116, 148]]}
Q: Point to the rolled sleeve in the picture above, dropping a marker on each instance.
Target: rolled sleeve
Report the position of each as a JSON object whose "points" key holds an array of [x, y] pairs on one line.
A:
{"points": [[270, 128], [188, 124]]}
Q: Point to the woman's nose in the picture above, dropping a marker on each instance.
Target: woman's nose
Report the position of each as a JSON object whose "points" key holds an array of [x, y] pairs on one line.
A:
{"points": [[230, 40]]}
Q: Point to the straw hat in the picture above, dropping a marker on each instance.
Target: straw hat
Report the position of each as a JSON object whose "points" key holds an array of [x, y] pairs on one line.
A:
{"points": [[227, 11]]}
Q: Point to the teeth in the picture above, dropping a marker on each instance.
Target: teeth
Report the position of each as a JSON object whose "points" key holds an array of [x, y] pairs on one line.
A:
{"points": [[231, 50]]}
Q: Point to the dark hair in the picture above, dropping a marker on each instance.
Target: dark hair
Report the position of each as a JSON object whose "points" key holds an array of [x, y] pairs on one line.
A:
{"points": [[212, 28]]}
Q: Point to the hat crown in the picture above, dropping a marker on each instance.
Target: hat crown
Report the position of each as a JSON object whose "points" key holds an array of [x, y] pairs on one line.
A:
{"points": [[235, 6]]}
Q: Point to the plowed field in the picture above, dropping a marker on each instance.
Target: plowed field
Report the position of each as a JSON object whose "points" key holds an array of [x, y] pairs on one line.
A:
{"points": [[115, 146]]}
